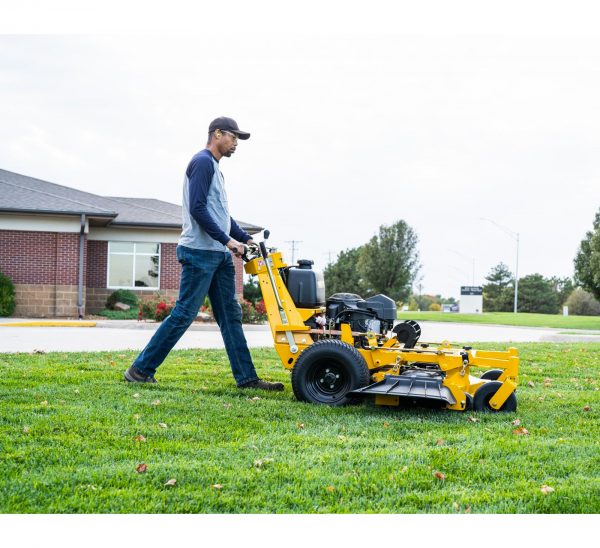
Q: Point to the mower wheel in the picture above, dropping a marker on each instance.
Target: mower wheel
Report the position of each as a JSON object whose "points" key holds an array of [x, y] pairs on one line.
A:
{"points": [[481, 400], [491, 374], [327, 370]]}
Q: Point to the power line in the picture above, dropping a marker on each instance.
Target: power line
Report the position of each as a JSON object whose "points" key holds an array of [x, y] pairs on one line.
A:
{"points": [[293, 242]]}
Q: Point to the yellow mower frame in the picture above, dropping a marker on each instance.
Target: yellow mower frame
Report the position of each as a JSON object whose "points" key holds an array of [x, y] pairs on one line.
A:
{"points": [[383, 355]]}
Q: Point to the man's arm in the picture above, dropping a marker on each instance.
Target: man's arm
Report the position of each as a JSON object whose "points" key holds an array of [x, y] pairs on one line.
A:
{"points": [[238, 233]]}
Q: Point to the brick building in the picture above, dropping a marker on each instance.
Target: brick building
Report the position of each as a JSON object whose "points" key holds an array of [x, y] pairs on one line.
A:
{"points": [[66, 250]]}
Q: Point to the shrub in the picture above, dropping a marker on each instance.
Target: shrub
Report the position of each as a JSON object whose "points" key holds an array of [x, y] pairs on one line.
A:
{"points": [[7, 296], [435, 307], [582, 303], [252, 314], [157, 308], [122, 296]]}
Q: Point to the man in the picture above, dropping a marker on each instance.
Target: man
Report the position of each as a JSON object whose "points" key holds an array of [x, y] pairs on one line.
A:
{"points": [[209, 234]]}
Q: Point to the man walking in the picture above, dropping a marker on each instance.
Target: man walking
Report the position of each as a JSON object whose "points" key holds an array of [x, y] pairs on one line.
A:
{"points": [[209, 234]]}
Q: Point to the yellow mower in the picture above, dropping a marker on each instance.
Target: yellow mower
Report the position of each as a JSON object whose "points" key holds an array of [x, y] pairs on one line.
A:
{"points": [[344, 348]]}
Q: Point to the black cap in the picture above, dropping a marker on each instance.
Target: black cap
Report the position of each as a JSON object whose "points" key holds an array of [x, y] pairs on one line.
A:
{"points": [[228, 124]]}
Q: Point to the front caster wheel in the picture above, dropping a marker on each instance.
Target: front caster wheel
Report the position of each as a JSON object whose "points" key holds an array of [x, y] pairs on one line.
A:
{"points": [[327, 371], [491, 374], [481, 400]]}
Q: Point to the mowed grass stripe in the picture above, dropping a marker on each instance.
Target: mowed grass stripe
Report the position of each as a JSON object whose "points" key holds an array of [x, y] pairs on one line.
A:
{"points": [[249, 451]]}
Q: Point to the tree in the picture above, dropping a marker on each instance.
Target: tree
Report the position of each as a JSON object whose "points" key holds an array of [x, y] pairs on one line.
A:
{"points": [[563, 287], [342, 276], [582, 303], [389, 262], [499, 293], [587, 260], [252, 292], [537, 295]]}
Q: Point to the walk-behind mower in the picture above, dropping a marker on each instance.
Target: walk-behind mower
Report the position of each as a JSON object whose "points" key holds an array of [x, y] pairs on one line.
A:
{"points": [[344, 348]]}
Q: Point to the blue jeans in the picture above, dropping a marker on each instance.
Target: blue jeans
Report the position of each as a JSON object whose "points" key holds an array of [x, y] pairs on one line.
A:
{"points": [[204, 272]]}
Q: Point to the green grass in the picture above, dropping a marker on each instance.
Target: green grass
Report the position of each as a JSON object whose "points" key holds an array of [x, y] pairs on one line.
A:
{"points": [[68, 425], [508, 318], [130, 314]]}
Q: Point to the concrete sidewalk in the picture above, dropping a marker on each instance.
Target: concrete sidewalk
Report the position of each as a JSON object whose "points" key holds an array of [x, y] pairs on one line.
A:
{"points": [[113, 335]]}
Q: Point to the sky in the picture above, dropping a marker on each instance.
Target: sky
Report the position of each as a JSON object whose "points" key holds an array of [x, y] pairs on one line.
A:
{"points": [[470, 129]]}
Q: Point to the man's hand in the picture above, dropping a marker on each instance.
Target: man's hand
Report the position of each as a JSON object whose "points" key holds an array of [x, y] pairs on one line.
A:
{"points": [[236, 247]]}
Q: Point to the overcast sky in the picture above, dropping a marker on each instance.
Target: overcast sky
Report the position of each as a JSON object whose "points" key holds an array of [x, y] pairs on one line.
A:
{"points": [[352, 127]]}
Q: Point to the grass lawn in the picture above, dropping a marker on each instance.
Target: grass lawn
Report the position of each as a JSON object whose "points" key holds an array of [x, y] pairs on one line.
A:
{"points": [[72, 434], [508, 318]]}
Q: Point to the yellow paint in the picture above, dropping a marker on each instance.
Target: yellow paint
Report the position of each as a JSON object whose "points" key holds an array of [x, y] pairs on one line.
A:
{"points": [[49, 324]]}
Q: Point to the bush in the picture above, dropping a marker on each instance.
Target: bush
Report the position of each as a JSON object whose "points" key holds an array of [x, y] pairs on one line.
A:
{"points": [[7, 296], [252, 314], [122, 296], [157, 308], [582, 303], [131, 314], [435, 307]]}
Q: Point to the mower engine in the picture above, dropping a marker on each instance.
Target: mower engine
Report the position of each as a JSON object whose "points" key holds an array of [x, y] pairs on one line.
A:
{"points": [[375, 314]]}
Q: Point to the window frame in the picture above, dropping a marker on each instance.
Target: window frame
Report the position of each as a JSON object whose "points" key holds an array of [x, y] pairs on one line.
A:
{"points": [[134, 254]]}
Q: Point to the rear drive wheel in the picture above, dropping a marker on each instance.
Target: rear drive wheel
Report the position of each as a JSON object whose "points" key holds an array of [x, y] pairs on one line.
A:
{"points": [[326, 371], [481, 400], [491, 374]]}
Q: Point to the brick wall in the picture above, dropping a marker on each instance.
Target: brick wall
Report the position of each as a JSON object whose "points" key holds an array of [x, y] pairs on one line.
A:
{"points": [[44, 268], [170, 269]]}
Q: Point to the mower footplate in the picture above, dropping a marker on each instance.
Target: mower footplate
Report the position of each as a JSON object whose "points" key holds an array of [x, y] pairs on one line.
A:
{"points": [[414, 386]]}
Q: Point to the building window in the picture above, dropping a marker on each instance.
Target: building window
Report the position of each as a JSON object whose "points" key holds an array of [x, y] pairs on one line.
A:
{"points": [[133, 265]]}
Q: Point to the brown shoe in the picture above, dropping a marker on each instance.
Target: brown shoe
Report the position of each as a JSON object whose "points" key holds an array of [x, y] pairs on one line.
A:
{"points": [[135, 375], [264, 385]]}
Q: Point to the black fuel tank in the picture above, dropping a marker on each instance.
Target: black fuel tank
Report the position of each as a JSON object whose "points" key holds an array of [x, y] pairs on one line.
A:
{"points": [[306, 286]]}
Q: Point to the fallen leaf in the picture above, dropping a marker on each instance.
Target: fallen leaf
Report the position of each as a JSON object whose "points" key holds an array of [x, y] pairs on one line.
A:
{"points": [[259, 462], [468, 509], [404, 469], [440, 442], [217, 486], [455, 505], [162, 425], [26, 429], [516, 422], [587, 408], [141, 468], [341, 438], [301, 425], [136, 417], [521, 431], [386, 424], [139, 438], [172, 481], [546, 489], [227, 405], [136, 395], [531, 384], [330, 488], [439, 476], [76, 391], [472, 419], [155, 402], [255, 398], [35, 351], [547, 379], [45, 402], [111, 362]]}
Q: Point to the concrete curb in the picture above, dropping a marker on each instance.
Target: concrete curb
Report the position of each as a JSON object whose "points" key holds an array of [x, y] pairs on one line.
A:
{"points": [[49, 323]]}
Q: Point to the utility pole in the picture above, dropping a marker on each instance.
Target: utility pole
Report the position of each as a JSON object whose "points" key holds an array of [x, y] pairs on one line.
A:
{"points": [[293, 242], [514, 235], [328, 253]]}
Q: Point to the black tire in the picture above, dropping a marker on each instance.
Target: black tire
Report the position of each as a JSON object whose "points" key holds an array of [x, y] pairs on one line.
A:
{"points": [[326, 371], [481, 400], [468, 402], [491, 374]]}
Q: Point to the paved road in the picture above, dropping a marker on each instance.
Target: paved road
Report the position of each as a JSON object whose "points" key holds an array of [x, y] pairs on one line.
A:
{"points": [[122, 335]]}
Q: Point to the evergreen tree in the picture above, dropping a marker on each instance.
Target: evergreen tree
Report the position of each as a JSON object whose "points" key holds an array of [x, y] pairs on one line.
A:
{"points": [[587, 261], [499, 292], [536, 294]]}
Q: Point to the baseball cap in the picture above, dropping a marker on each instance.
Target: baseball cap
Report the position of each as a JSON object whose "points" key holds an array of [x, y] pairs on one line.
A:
{"points": [[228, 124]]}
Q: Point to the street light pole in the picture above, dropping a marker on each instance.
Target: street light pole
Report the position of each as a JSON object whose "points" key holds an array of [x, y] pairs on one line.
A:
{"points": [[514, 235]]}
